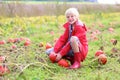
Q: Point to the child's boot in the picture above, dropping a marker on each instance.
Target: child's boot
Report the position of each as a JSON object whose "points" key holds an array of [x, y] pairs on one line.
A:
{"points": [[77, 61]]}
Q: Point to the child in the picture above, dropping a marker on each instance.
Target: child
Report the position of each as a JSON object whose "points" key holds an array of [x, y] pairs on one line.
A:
{"points": [[73, 44]]}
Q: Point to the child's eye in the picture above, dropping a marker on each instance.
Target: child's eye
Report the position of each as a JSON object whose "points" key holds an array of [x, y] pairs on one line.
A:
{"points": [[67, 16], [72, 16]]}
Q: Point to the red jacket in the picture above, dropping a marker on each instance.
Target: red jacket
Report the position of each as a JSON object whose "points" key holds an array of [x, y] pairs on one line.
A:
{"points": [[79, 31]]}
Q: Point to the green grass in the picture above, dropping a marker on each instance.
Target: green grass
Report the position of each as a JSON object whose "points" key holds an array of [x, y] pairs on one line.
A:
{"points": [[31, 63]]}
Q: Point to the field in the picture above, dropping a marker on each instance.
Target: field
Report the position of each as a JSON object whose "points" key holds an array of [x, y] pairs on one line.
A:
{"points": [[29, 62]]}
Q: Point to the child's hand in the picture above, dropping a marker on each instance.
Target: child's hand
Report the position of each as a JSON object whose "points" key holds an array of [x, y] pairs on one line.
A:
{"points": [[58, 57]]}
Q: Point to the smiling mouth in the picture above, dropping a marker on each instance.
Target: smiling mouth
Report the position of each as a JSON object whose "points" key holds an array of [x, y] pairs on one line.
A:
{"points": [[70, 21]]}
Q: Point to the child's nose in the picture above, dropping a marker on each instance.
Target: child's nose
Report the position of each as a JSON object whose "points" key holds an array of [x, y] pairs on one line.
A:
{"points": [[70, 18]]}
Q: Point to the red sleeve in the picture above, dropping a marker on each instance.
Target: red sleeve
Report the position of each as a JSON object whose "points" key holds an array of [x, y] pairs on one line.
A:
{"points": [[61, 41]]}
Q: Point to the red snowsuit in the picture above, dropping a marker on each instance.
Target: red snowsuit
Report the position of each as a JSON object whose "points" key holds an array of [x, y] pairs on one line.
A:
{"points": [[80, 32]]}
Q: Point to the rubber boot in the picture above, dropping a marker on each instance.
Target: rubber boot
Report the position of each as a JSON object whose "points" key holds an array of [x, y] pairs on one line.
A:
{"points": [[77, 61]]}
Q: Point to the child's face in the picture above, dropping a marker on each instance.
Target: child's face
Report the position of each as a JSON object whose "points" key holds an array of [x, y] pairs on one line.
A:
{"points": [[71, 18]]}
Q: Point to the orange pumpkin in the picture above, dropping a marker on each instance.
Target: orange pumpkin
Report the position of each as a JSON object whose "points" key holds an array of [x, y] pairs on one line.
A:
{"points": [[48, 45], [99, 52], [63, 63], [52, 57], [102, 59]]}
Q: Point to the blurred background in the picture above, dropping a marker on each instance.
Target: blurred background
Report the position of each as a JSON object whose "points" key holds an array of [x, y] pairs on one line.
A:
{"points": [[28, 26], [26, 8]]}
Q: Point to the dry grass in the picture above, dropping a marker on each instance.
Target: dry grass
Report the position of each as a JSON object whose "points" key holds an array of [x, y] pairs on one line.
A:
{"points": [[24, 9]]}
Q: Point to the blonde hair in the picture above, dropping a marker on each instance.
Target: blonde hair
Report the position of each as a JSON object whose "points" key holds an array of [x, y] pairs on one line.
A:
{"points": [[72, 11]]}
